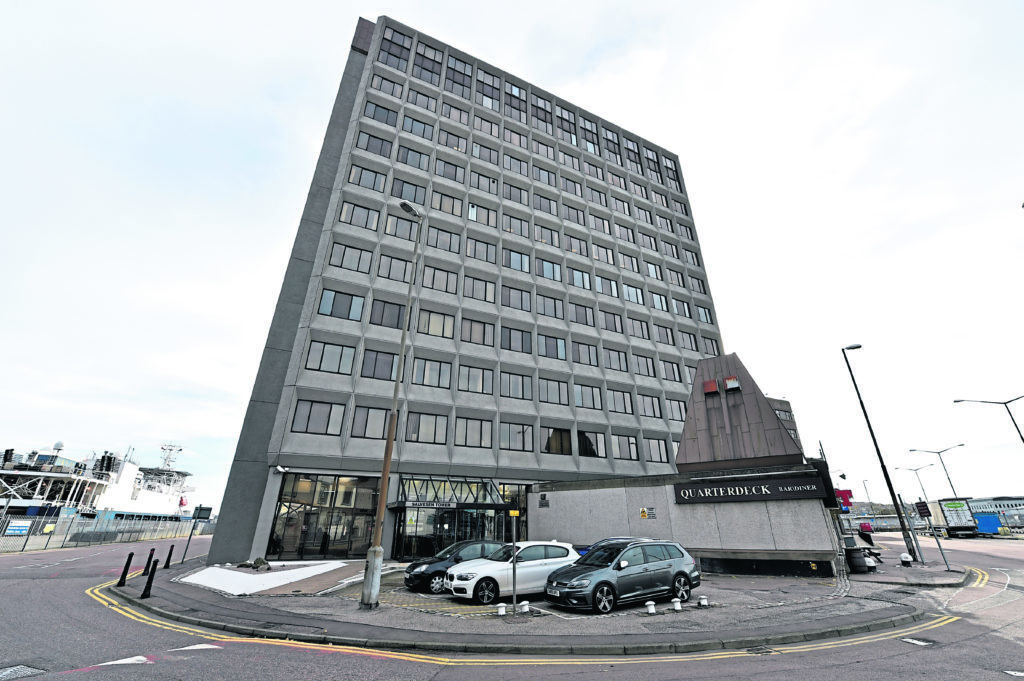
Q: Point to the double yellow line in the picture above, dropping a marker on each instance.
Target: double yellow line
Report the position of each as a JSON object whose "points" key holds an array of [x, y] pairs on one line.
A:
{"points": [[981, 580]]}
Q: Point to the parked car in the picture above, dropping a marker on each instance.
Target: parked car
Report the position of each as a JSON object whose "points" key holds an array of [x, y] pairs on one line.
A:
{"points": [[427, 574], [624, 570], [486, 579]]}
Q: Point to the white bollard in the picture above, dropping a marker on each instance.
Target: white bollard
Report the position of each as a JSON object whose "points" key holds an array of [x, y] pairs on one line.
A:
{"points": [[650, 607], [677, 604], [501, 609], [525, 606], [702, 602]]}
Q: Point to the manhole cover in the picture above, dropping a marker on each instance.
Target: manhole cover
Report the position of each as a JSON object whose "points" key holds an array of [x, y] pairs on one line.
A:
{"points": [[19, 672]]}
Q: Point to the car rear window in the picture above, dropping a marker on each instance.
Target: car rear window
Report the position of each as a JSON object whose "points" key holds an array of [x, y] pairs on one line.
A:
{"points": [[557, 551], [673, 550], [656, 552]]}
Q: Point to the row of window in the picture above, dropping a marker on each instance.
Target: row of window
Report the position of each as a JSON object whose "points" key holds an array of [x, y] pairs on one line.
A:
{"points": [[487, 90], [326, 418], [359, 260], [595, 195], [339, 359]]}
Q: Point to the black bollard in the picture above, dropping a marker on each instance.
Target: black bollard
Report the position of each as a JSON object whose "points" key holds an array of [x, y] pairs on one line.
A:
{"points": [[149, 561], [127, 567], [170, 552], [149, 582]]}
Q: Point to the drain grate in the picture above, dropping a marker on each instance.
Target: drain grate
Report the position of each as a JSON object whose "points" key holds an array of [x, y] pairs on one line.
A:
{"points": [[761, 650], [19, 672]]}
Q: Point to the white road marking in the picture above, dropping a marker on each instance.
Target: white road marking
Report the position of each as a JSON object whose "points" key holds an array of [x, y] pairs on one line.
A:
{"points": [[138, 659], [198, 646], [916, 642], [1014, 673]]}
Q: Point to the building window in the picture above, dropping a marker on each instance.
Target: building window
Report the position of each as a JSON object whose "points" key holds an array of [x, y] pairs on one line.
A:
{"points": [[382, 366], [638, 328], [681, 307], [480, 333], [483, 183], [711, 347], [688, 340], [334, 359], [401, 228], [374, 145], [515, 260], [422, 100], [676, 409], [394, 268], [454, 113], [429, 429], [515, 298], [485, 216], [341, 305], [383, 313], [476, 380], [606, 286], [572, 187], [388, 87], [615, 359], [411, 157], [472, 433], [663, 334], [579, 279], [351, 258], [418, 127], [513, 137], [546, 235], [656, 450], [516, 340], [704, 314], [644, 215], [544, 150], [370, 423], [671, 371], [544, 204], [600, 224], [649, 242], [653, 270], [698, 285], [436, 324], [548, 346], [413, 193], [516, 437], [659, 302], [481, 250], [478, 289], [318, 418], [549, 270], [519, 195], [515, 102], [364, 177], [449, 171], [542, 175], [486, 127], [451, 141], [591, 444], [433, 373], [625, 233], [620, 401], [488, 89], [485, 153], [516, 386], [645, 366], [633, 294], [576, 245], [515, 165], [515, 225], [581, 314], [629, 262], [650, 405], [675, 277], [691, 258], [540, 114], [549, 307], [446, 241], [584, 353], [358, 216], [394, 49], [587, 396], [458, 78], [440, 280], [552, 391], [568, 160], [555, 440], [625, 447], [620, 206], [380, 114]]}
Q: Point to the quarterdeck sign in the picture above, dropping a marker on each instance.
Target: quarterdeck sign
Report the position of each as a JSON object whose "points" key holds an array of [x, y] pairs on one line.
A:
{"points": [[749, 490]]}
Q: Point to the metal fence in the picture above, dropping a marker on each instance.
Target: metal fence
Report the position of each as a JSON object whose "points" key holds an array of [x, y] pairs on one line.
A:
{"points": [[34, 533]]}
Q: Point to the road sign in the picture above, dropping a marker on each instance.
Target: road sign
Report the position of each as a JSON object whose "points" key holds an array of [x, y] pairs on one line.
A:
{"points": [[922, 509]]}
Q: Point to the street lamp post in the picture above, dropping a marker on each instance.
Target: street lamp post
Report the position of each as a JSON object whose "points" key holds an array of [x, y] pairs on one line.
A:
{"points": [[1006, 405], [871, 507], [940, 453], [924, 494], [907, 537], [375, 555]]}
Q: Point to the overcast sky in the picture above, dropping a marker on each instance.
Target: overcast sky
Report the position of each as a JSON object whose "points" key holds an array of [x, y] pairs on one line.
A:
{"points": [[856, 172]]}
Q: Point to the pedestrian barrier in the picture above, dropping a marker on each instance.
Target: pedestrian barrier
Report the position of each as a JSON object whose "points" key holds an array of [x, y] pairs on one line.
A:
{"points": [[35, 533]]}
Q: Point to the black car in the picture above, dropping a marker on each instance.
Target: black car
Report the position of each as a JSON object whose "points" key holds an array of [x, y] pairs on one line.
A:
{"points": [[622, 570], [427, 574]]}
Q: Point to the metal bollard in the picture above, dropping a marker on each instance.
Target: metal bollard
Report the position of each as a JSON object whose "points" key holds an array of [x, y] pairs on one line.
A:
{"points": [[127, 567], [149, 561], [524, 607], [501, 609], [170, 552], [650, 607], [149, 582], [677, 604], [702, 602]]}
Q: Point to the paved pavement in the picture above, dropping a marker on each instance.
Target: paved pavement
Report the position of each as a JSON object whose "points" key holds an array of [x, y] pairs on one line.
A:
{"points": [[745, 612]]}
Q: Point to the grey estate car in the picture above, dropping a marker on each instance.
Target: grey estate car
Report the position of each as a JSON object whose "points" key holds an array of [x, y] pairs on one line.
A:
{"points": [[624, 570]]}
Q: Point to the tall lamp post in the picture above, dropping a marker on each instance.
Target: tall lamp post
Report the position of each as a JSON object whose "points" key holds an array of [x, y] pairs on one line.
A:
{"points": [[915, 472], [871, 507], [1006, 405], [940, 453], [375, 555], [907, 537]]}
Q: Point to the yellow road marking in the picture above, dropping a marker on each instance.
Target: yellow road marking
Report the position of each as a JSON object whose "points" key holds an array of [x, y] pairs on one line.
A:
{"points": [[981, 580], [95, 593]]}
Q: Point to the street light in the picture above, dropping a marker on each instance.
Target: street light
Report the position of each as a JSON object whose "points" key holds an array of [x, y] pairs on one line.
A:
{"points": [[1005, 404], [915, 472], [940, 453], [375, 555], [871, 507], [907, 537]]}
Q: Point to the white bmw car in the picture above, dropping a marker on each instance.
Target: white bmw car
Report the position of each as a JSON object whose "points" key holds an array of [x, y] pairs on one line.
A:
{"points": [[485, 579]]}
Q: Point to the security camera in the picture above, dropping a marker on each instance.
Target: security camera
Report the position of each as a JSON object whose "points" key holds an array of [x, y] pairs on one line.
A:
{"points": [[281, 469]]}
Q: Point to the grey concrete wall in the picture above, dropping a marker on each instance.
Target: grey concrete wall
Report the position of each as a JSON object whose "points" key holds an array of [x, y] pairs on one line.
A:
{"points": [[245, 503]]}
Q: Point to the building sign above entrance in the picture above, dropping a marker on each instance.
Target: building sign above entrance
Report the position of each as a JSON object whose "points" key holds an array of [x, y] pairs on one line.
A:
{"points": [[430, 504], [748, 490]]}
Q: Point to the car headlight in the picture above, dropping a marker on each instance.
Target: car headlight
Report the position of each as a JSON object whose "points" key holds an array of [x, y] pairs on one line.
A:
{"points": [[578, 583], [419, 568], [465, 576]]}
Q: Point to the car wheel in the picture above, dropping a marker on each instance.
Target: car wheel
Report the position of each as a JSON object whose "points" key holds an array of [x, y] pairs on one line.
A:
{"points": [[436, 584], [681, 588], [486, 591], [603, 599]]}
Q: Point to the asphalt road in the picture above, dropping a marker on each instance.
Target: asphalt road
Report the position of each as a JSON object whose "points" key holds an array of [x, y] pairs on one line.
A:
{"points": [[54, 620]]}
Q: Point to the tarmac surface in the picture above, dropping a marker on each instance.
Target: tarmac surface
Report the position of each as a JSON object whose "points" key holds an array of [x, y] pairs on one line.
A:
{"points": [[744, 611]]}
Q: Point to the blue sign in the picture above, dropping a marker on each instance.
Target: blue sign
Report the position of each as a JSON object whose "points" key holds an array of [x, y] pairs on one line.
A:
{"points": [[18, 527]]}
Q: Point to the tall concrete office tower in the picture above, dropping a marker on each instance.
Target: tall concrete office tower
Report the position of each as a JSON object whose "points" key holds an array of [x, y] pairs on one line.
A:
{"points": [[559, 305]]}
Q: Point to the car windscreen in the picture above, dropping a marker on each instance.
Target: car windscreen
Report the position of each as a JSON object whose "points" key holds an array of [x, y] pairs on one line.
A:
{"points": [[504, 553], [449, 552], [601, 556]]}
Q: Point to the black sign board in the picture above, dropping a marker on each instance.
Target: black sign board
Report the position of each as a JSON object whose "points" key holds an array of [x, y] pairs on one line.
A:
{"points": [[922, 509], [201, 512], [719, 491]]}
